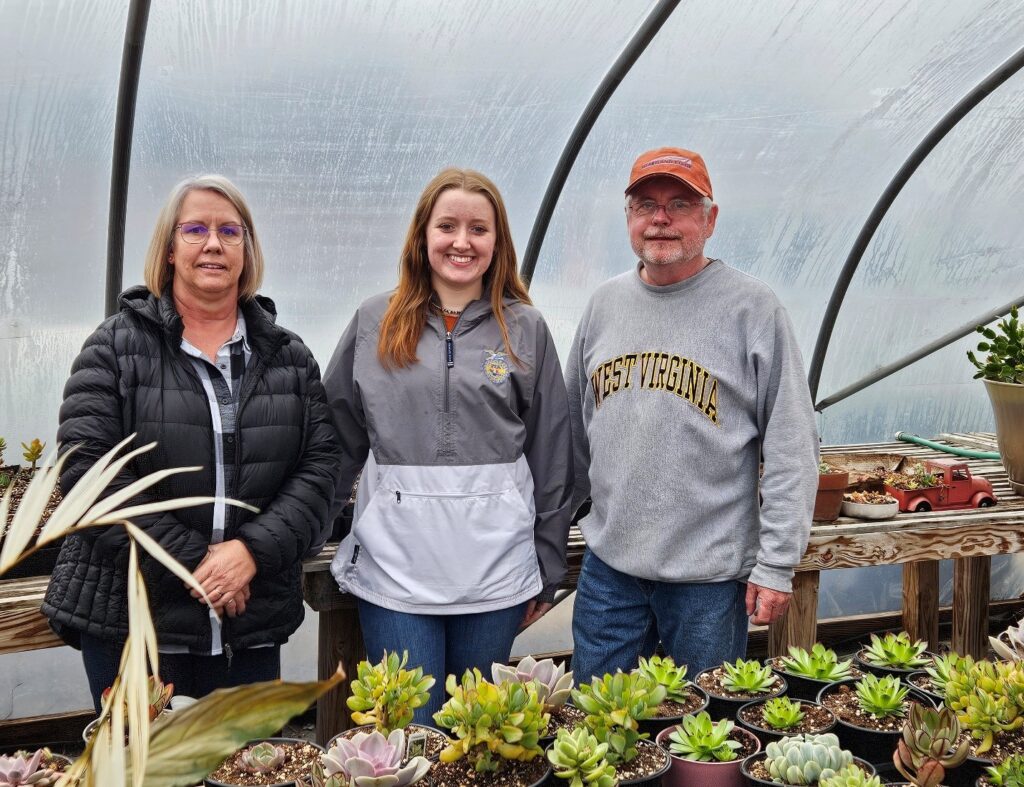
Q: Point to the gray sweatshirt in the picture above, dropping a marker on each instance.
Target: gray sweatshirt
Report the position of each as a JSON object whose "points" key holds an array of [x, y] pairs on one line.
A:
{"points": [[675, 394]]}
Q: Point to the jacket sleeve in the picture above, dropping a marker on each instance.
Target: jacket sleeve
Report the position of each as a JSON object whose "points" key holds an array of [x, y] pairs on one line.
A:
{"points": [[577, 389], [347, 413], [789, 446], [296, 524], [548, 452], [92, 421]]}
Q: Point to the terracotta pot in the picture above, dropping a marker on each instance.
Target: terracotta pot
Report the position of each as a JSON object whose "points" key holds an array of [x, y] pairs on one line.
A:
{"points": [[687, 773], [753, 780], [829, 499], [1008, 407], [214, 783]]}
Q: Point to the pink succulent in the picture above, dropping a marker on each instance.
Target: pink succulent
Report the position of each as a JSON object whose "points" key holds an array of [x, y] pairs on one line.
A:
{"points": [[371, 760]]}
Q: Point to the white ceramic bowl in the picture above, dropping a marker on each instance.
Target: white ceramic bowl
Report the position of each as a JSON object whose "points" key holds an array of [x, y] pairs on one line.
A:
{"points": [[871, 510]]}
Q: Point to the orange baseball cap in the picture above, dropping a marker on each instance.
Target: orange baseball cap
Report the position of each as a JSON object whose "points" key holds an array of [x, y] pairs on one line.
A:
{"points": [[684, 165]]}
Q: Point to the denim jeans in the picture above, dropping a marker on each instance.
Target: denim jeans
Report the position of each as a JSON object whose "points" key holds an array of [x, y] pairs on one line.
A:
{"points": [[192, 676], [618, 618], [441, 644]]}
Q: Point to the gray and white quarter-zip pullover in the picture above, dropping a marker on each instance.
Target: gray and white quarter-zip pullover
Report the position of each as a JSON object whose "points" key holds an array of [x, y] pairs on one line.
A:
{"points": [[676, 395], [463, 505]]}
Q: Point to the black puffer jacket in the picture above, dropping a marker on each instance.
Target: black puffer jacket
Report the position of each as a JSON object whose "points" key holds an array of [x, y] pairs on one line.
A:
{"points": [[132, 376]]}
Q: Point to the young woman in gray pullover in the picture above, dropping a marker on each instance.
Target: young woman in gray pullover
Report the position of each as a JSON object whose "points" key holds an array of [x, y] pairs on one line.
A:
{"points": [[448, 393]]}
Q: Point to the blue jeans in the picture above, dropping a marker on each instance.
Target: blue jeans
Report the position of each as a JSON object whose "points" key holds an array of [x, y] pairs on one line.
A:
{"points": [[441, 644], [192, 676], [618, 618]]}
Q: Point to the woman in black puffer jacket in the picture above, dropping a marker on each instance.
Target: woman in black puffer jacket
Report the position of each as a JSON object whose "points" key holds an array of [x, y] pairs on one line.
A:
{"points": [[195, 363]]}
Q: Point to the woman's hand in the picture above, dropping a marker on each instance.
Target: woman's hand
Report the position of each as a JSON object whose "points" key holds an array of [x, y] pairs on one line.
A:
{"points": [[535, 610], [225, 574]]}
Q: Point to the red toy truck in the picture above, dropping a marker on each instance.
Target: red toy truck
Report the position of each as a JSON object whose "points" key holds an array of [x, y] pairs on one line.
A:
{"points": [[957, 489]]}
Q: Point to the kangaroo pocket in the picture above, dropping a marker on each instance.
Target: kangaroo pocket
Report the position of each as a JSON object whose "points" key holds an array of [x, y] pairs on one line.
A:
{"points": [[430, 549]]}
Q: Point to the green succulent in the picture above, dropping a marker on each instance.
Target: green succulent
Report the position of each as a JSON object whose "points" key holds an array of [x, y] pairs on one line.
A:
{"points": [[1008, 773], [614, 705], [262, 757], [850, 776], [33, 452], [782, 713], [663, 671], [929, 745], [939, 670], [987, 698], [698, 738], [3, 447], [1005, 360], [820, 663], [881, 697], [896, 651], [385, 694], [491, 724], [986, 714], [805, 759], [748, 677], [580, 757]]}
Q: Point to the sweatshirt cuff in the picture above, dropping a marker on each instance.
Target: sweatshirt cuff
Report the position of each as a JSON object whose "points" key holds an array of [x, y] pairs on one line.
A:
{"points": [[773, 577], [547, 595]]}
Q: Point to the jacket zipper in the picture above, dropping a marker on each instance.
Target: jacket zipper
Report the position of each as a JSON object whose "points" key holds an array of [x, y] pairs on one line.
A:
{"points": [[449, 358], [399, 493]]}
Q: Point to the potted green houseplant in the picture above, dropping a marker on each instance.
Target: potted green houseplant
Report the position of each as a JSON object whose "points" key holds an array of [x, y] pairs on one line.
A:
{"points": [[894, 654], [705, 752], [271, 762], [732, 684], [580, 757], [553, 684], [832, 483], [929, 745], [780, 717], [800, 759], [932, 679], [1003, 374], [1008, 773], [681, 696], [853, 775], [368, 759], [807, 672]]}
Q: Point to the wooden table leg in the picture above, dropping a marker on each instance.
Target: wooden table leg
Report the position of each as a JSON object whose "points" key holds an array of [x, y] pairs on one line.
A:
{"points": [[799, 626], [921, 601], [339, 639], [971, 576]]}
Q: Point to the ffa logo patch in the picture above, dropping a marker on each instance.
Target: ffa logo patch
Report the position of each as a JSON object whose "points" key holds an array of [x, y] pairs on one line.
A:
{"points": [[496, 367]]}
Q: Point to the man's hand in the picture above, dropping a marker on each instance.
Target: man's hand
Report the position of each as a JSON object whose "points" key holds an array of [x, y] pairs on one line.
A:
{"points": [[225, 574], [535, 610], [766, 605]]}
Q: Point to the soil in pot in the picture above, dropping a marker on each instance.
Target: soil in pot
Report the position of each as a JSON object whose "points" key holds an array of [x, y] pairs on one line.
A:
{"points": [[757, 772], [922, 681], [1004, 745], [512, 774], [799, 687], [817, 720], [298, 760], [41, 562], [882, 670], [564, 717], [670, 712], [436, 740], [686, 773], [647, 768], [722, 703]]}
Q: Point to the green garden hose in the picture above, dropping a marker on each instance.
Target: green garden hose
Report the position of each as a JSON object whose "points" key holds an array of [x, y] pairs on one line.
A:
{"points": [[949, 449]]}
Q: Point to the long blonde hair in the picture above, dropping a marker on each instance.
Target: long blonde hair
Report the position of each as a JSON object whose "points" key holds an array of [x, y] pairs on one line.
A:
{"points": [[407, 310], [158, 273]]}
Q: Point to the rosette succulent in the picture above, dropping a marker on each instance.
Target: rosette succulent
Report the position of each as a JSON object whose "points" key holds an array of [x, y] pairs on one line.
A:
{"points": [[368, 759], [987, 698], [22, 769], [748, 677], [491, 723], [159, 696], [896, 651], [805, 759], [850, 776], [579, 757], [929, 745], [614, 705], [552, 682], [262, 757], [782, 713], [698, 738], [881, 697], [1008, 773], [820, 663], [385, 694], [939, 670], [663, 671]]}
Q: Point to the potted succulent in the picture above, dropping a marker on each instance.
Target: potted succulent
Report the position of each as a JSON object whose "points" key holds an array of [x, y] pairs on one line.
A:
{"points": [[681, 696], [853, 775], [614, 705], [780, 717], [870, 713], [807, 672], [932, 679], [384, 696], [1008, 773], [368, 759], [580, 757], [159, 702], [705, 752], [40, 768], [731, 685], [894, 654], [277, 762], [870, 505], [1003, 375], [930, 744], [800, 759], [553, 684], [832, 483], [33, 452], [494, 729]]}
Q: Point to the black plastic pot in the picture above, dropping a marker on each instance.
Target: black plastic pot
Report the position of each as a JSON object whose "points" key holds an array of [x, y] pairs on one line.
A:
{"points": [[767, 735], [937, 699], [867, 666], [968, 774], [651, 779], [799, 687], [874, 746], [655, 725], [720, 707], [745, 769], [214, 783]]}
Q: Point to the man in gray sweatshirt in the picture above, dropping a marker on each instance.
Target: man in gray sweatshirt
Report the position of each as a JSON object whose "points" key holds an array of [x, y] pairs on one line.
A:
{"points": [[684, 376]]}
